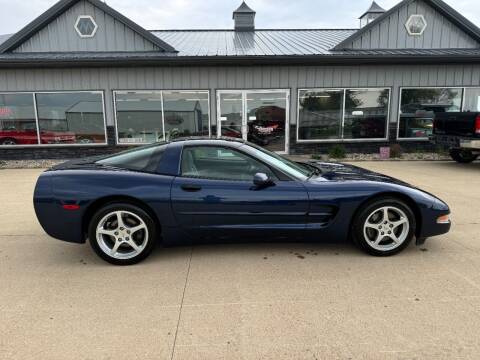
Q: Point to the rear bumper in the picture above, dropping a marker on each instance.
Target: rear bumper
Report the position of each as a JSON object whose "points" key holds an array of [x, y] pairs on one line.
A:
{"points": [[58, 223], [456, 142]]}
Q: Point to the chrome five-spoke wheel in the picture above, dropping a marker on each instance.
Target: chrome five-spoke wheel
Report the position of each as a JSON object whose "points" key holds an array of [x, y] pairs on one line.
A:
{"points": [[122, 234], [386, 228]]}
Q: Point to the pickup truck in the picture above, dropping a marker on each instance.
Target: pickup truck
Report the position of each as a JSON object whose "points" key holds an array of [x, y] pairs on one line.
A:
{"points": [[460, 132]]}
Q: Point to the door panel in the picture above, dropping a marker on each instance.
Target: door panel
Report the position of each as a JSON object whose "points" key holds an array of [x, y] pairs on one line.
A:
{"points": [[231, 114], [259, 116], [266, 119], [236, 209]]}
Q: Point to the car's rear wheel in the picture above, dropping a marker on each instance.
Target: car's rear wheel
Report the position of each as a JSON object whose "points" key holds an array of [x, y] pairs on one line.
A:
{"points": [[463, 156], [384, 227], [122, 234]]}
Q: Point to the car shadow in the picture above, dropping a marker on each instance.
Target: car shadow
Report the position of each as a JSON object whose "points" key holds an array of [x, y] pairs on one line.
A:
{"points": [[63, 254]]}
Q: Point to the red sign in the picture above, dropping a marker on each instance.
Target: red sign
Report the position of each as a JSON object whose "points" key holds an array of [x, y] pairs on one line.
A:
{"points": [[384, 152]]}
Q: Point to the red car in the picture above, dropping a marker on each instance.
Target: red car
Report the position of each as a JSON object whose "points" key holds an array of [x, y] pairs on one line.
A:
{"points": [[28, 136]]}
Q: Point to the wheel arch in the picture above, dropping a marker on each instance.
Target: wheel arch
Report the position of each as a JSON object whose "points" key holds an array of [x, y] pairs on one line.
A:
{"points": [[103, 201], [392, 194]]}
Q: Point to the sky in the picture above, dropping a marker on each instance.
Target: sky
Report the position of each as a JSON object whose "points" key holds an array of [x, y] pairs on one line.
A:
{"points": [[209, 14]]}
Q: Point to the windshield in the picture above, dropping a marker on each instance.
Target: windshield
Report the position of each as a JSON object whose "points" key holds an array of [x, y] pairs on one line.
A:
{"points": [[290, 167]]}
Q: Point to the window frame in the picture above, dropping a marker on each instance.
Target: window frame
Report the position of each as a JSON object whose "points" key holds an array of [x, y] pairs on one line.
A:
{"points": [[342, 139], [39, 145], [161, 91], [280, 176], [423, 139]]}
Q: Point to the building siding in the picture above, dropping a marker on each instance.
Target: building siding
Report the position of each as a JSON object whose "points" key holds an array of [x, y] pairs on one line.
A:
{"points": [[111, 35], [392, 34], [250, 77]]}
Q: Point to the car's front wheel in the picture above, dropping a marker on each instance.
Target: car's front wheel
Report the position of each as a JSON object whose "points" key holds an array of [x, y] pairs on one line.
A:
{"points": [[384, 227], [122, 234]]}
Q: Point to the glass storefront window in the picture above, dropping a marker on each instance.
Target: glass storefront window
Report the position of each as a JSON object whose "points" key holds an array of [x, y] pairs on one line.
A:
{"points": [[71, 118], [336, 114], [186, 113], [471, 100], [320, 114], [418, 108], [139, 117], [149, 116], [18, 123], [231, 114], [366, 114]]}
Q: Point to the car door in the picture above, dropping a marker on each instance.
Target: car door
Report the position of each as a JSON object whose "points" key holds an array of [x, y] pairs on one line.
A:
{"points": [[214, 196]]}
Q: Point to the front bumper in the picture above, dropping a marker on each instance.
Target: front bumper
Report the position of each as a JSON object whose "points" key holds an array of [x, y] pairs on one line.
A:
{"points": [[430, 225]]}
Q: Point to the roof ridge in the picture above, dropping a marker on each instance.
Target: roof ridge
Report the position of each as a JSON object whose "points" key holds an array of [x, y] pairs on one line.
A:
{"points": [[233, 30]]}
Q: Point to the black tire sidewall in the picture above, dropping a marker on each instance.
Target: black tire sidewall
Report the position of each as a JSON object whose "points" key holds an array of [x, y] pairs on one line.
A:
{"points": [[366, 210], [463, 156], [122, 207]]}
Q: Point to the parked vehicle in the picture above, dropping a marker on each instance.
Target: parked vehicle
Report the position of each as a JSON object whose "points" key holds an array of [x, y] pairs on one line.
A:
{"points": [[29, 137], [193, 190], [460, 132]]}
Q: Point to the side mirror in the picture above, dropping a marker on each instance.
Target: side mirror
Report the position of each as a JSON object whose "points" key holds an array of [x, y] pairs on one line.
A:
{"points": [[262, 180]]}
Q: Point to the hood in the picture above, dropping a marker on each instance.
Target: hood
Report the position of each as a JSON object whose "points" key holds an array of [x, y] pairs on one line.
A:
{"points": [[346, 172]]}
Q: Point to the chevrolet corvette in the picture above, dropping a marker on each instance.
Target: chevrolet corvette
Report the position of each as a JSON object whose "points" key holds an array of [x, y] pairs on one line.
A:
{"points": [[196, 190]]}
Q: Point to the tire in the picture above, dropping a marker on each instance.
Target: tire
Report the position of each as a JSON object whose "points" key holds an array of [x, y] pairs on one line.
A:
{"points": [[463, 156], [375, 237], [8, 141], [123, 243]]}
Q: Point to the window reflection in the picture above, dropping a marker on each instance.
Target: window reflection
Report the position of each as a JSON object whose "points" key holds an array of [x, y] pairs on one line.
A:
{"points": [[17, 120], [320, 114], [266, 119], [141, 116], [419, 106], [472, 100], [186, 113], [366, 113], [70, 118]]}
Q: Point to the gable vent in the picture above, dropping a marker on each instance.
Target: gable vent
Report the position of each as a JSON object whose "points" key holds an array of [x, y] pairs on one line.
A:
{"points": [[244, 18]]}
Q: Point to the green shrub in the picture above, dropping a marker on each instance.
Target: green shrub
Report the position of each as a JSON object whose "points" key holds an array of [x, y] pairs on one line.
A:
{"points": [[337, 152], [396, 151], [316, 157]]}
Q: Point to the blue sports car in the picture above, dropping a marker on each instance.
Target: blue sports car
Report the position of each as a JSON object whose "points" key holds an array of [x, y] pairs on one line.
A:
{"points": [[192, 190]]}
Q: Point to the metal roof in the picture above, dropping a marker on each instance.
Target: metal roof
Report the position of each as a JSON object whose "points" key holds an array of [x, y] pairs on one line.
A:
{"points": [[253, 43]]}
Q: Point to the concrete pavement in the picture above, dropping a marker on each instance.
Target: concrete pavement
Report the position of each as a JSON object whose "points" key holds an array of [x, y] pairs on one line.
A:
{"points": [[245, 301]]}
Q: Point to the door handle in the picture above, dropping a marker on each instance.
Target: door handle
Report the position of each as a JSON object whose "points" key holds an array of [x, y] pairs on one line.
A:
{"points": [[191, 187]]}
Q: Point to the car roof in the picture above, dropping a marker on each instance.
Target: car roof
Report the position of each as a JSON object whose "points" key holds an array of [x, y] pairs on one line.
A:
{"points": [[205, 140]]}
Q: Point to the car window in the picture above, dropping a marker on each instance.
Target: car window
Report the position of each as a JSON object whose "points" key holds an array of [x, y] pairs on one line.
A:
{"points": [[144, 159], [215, 162]]}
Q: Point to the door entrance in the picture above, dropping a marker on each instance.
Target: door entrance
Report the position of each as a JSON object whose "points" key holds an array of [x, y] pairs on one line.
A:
{"points": [[259, 116]]}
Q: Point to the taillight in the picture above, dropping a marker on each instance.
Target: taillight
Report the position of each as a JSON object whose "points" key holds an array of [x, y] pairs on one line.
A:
{"points": [[71, 206], [477, 125]]}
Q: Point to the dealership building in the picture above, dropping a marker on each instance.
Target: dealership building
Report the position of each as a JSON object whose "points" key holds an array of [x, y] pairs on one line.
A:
{"points": [[83, 79]]}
